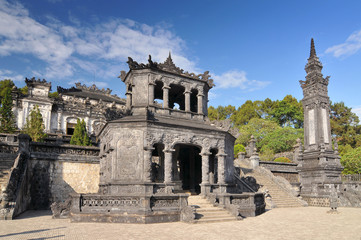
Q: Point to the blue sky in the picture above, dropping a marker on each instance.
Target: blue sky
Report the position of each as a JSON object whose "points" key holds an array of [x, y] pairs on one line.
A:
{"points": [[253, 49]]}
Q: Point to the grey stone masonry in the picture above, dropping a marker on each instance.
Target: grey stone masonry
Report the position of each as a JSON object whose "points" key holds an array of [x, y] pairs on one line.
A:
{"points": [[319, 165]]}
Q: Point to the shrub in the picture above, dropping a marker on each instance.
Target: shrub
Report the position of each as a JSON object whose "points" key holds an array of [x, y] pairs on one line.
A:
{"points": [[238, 148], [34, 125], [267, 154], [351, 161], [283, 160]]}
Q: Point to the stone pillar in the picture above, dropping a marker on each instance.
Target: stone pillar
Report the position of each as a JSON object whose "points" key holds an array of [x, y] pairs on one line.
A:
{"points": [[187, 95], [148, 164], [254, 159], [200, 103], [166, 96], [151, 93], [24, 141], [205, 167], [59, 120], [221, 159], [168, 165], [129, 100]]}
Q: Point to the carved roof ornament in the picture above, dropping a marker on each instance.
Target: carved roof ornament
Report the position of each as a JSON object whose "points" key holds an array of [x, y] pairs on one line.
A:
{"points": [[93, 88], [313, 69], [33, 81], [167, 66]]}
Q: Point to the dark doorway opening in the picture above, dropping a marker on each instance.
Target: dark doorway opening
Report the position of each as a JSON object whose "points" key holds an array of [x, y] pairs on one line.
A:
{"points": [[189, 163]]}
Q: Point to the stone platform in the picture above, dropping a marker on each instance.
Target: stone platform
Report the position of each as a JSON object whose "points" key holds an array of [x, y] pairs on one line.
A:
{"points": [[281, 223]]}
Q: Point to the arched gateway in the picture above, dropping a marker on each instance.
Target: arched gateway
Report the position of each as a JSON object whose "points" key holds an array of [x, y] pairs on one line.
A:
{"points": [[156, 154]]}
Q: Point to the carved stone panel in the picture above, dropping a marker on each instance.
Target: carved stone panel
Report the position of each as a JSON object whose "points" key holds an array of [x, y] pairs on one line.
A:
{"points": [[128, 150], [325, 117], [311, 129]]}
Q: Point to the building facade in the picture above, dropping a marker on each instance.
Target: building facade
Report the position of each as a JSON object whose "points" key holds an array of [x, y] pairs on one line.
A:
{"points": [[60, 113]]}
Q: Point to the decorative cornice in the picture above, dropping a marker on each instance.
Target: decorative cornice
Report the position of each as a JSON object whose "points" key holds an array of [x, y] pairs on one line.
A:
{"points": [[167, 66], [33, 81]]}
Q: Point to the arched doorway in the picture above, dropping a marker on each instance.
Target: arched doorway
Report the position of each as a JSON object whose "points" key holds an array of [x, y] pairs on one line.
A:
{"points": [[189, 167]]}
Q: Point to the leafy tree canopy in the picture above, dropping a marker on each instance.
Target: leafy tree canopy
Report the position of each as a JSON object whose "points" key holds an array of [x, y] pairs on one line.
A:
{"points": [[80, 136], [345, 125], [7, 121], [352, 162], [221, 113], [34, 126], [4, 86]]}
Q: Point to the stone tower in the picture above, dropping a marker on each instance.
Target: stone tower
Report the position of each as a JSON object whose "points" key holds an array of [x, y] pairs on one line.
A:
{"points": [[319, 165]]}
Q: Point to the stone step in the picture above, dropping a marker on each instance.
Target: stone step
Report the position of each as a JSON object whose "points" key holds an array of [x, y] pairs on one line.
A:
{"points": [[228, 219]]}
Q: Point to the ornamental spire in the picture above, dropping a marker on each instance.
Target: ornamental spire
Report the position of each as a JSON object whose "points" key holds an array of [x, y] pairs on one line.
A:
{"points": [[313, 50]]}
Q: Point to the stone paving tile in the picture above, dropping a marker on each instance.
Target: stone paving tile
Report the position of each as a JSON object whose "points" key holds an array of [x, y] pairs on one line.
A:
{"points": [[282, 223]]}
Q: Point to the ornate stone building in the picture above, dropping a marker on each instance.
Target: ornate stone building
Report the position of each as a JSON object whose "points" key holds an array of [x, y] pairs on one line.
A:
{"points": [[153, 156], [60, 114], [319, 165]]}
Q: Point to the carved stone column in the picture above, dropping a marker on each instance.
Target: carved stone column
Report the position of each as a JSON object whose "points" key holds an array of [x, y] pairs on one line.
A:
{"points": [[168, 165], [205, 167], [129, 100], [200, 103], [151, 93], [59, 120], [166, 96], [187, 97], [221, 158], [148, 164]]}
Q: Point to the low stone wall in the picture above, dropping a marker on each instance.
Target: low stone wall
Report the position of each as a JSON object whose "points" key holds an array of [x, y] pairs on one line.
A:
{"points": [[286, 170], [59, 170]]}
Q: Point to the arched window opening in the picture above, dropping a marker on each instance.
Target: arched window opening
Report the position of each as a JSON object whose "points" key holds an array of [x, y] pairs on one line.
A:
{"points": [[158, 93], [158, 163], [176, 95], [194, 100]]}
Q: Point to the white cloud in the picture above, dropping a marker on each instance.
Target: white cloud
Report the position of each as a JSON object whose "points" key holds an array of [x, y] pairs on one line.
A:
{"points": [[357, 110], [64, 48], [236, 78], [7, 74], [349, 47]]}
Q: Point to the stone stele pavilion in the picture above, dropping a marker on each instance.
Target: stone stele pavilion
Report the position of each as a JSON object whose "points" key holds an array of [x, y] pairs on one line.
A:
{"points": [[164, 149]]}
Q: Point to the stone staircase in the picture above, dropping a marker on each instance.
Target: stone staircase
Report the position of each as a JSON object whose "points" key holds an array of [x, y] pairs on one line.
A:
{"points": [[5, 165], [206, 212], [281, 198]]}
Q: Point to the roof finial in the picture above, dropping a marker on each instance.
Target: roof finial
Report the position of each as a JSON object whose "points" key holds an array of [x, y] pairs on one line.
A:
{"points": [[313, 51], [170, 56]]}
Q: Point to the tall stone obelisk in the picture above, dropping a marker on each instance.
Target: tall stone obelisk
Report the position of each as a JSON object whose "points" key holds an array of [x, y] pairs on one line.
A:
{"points": [[319, 165]]}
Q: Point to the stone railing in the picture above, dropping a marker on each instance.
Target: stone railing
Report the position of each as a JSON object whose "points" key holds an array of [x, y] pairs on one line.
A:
{"points": [[54, 151], [351, 178], [9, 143]]}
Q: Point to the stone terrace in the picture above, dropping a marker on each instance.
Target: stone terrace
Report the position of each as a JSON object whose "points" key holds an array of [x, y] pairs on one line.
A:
{"points": [[281, 223]]}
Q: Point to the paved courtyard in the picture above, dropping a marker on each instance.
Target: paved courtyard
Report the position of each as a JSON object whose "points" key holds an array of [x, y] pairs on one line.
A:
{"points": [[282, 223]]}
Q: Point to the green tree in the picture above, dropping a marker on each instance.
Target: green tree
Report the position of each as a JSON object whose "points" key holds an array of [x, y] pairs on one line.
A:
{"points": [[351, 162], [80, 136], [246, 112], [288, 112], [53, 95], [34, 126], [7, 121], [281, 140], [221, 113], [4, 86], [238, 148], [345, 125], [257, 127]]}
